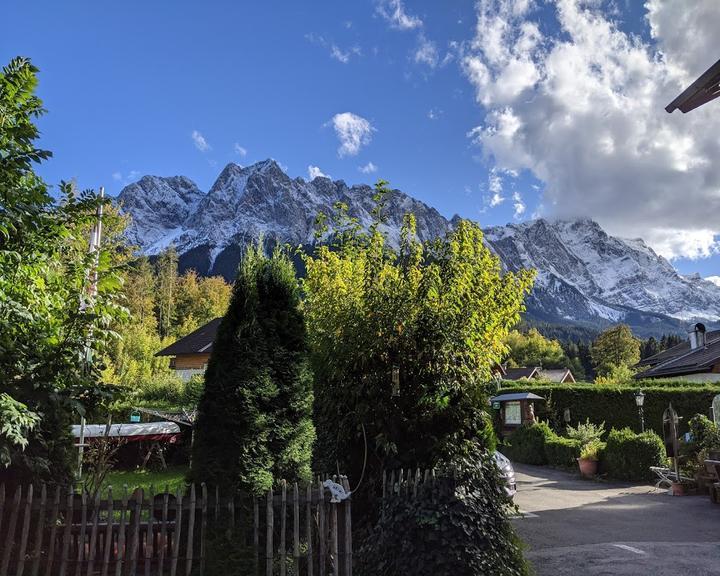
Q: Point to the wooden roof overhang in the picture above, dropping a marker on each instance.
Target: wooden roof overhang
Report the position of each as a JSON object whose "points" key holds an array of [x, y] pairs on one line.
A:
{"points": [[703, 90]]}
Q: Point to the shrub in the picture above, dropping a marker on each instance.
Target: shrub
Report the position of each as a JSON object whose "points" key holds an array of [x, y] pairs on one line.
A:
{"points": [[527, 443], [586, 433], [562, 451], [592, 450], [628, 456], [459, 527]]}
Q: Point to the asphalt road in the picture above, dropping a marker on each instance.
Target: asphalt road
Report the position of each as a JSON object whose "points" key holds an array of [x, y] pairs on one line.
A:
{"points": [[578, 527]]}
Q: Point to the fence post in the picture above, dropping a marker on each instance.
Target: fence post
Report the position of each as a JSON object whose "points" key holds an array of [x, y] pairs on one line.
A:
{"points": [[191, 531], [24, 531], [296, 529], [256, 533], [177, 534], [67, 534], [10, 536], [308, 527], [203, 522], [135, 530], [108, 541], [121, 556], [269, 534], [348, 531], [163, 542], [93, 534], [53, 530], [321, 527], [149, 532], [39, 529], [283, 529]]}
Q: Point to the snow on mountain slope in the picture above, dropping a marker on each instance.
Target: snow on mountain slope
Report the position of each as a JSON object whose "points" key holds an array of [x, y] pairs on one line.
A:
{"points": [[584, 275], [625, 273]]}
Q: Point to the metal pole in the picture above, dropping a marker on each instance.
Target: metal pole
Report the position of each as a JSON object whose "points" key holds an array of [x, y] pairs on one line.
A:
{"points": [[642, 420], [95, 239]]}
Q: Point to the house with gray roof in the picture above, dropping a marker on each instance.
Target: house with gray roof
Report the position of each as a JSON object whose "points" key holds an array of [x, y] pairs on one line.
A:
{"points": [[697, 359]]}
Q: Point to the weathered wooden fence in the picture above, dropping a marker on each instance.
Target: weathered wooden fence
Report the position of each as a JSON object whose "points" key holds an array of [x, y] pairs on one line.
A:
{"points": [[290, 531], [406, 483]]}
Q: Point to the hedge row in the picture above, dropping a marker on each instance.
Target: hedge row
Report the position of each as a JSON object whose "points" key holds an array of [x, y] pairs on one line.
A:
{"points": [[616, 405], [625, 456], [538, 444]]}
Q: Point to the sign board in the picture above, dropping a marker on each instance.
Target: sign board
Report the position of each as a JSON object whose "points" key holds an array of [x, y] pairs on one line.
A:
{"points": [[134, 417], [496, 405]]}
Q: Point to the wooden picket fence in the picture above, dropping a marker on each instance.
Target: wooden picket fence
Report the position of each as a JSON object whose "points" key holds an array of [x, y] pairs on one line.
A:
{"points": [[291, 531], [406, 483]]}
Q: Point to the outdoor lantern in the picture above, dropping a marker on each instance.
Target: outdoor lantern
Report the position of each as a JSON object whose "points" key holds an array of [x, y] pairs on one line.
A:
{"points": [[566, 415], [639, 398]]}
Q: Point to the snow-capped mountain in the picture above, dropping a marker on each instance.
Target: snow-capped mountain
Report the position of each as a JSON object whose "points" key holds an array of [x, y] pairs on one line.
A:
{"points": [[246, 203], [585, 276]]}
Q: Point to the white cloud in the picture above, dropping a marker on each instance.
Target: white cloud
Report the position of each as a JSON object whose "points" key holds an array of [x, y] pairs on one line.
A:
{"points": [[339, 55], [583, 111], [239, 150], [496, 188], [518, 205], [200, 142], [434, 114], [369, 168], [714, 279], [315, 172], [426, 52], [394, 12], [353, 131], [126, 179]]}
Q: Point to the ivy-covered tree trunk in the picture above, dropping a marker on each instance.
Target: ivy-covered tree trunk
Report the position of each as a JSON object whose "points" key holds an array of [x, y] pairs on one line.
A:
{"points": [[254, 423]]}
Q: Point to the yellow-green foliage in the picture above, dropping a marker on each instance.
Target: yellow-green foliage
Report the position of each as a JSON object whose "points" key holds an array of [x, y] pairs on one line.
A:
{"points": [[533, 349], [439, 312], [615, 347]]}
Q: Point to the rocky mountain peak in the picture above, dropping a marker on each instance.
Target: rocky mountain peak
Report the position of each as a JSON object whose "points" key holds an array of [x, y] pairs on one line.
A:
{"points": [[585, 276]]}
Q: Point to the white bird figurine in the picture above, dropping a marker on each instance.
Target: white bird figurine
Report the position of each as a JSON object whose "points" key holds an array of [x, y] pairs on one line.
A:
{"points": [[337, 491]]}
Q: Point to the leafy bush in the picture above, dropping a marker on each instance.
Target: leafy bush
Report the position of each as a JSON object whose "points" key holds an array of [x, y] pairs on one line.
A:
{"points": [[586, 433], [628, 456], [527, 443], [562, 451], [705, 433], [459, 527], [592, 450], [616, 404]]}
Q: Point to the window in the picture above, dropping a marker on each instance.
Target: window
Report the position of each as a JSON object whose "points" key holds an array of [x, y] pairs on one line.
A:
{"points": [[513, 414]]}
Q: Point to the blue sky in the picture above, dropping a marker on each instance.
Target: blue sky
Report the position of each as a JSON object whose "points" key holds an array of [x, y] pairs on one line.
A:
{"points": [[127, 84]]}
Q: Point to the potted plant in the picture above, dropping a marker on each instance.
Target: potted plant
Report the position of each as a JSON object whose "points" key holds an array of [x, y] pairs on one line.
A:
{"points": [[589, 456]]}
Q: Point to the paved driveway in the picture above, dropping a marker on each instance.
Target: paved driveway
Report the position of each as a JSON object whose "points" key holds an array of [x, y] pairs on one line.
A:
{"points": [[573, 526]]}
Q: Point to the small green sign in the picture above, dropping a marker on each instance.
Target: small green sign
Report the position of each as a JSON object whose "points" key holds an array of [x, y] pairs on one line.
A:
{"points": [[496, 405], [134, 417]]}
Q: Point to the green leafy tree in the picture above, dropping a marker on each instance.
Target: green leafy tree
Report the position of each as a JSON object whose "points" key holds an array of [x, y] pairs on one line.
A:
{"points": [[53, 335], [533, 349], [254, 422], [403, 342], [166, 286], [615, 347]]}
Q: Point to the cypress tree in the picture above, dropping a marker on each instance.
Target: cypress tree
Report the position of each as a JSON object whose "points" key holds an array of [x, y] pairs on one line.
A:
{"points": [[254, 424]]}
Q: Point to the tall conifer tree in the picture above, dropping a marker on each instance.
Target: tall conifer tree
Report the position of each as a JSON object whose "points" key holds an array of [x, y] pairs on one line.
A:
{"points": [[254, 424]]}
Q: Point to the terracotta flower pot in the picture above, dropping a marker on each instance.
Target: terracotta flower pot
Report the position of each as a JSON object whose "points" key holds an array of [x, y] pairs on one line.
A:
{"points": [[678, 489], [588, 468]]}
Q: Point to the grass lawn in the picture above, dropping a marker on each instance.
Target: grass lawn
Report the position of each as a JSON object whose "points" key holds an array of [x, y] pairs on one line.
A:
{"points": [[173, 478]]}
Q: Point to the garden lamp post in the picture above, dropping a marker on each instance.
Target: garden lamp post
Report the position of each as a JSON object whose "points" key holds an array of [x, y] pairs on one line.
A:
{"points": [[640, 400]]}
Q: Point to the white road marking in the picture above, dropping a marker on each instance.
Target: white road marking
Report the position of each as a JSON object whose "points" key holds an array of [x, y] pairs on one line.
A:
{"points": [[630, 548]]}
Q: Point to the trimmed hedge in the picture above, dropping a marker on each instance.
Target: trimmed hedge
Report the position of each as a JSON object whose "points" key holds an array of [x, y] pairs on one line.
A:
{"points": [[561, 451], [527, 443], [616, 405], [628, 456], [538, 444]]}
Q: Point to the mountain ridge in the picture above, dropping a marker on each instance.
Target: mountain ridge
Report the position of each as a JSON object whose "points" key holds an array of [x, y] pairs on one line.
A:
{"points": [[585, 276]]}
